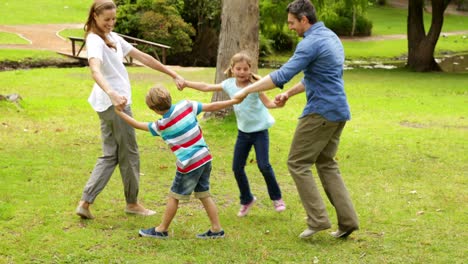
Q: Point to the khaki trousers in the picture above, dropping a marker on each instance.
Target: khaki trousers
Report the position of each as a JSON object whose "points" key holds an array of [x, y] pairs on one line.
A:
{"points": [[316, 142], [119, 147]]}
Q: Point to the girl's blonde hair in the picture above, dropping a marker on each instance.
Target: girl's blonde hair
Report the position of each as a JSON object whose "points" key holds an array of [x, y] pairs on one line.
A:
{"points": [[241, 57], [158, 99], [97, 8]]}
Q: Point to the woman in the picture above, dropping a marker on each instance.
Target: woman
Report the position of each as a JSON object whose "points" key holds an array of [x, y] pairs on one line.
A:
{"points": [[112, 89]]}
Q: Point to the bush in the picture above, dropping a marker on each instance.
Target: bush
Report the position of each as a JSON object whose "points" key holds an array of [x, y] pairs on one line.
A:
{"points": [[281, 41], [340, 20], [156, 21]]}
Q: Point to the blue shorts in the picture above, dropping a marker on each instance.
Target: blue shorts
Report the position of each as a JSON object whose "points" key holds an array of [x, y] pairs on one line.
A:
{"points": [[197, 181]]}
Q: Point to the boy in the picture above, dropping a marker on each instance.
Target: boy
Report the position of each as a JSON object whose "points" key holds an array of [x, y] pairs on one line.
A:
{"points": [[179, 128]]}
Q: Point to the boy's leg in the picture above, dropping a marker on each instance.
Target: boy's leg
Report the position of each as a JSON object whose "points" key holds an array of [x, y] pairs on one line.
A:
{"points": [[171, 210], [212, 211]]}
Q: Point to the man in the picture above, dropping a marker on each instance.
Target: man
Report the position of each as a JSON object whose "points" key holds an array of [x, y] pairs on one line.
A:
{"points": [[320, 56]]}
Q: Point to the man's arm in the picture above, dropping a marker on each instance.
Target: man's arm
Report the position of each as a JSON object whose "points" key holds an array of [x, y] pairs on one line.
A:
{"points": [[131, 121], [266, 83], [281, 98]]}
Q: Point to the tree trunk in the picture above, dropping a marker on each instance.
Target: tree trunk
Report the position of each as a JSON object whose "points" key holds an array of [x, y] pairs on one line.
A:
{"points": [[421, 46], [239, 32]]}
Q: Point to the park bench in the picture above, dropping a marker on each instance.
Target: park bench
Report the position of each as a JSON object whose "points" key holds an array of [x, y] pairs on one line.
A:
{"points": [[78, 43]]}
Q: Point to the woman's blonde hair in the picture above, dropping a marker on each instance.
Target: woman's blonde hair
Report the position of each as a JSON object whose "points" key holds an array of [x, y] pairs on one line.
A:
{"points": [[159, 99], [241, 57], [97, 8]]}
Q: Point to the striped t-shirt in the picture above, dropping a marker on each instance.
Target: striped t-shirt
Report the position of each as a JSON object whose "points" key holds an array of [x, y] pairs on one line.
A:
{"points": [[180, 130]]}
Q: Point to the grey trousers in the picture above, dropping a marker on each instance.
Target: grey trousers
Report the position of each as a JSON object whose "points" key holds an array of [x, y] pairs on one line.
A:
{"points": [[119, 147], [316, 142]]}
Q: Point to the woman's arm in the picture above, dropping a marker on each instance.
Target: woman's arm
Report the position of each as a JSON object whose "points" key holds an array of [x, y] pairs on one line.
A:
{"points": [[118, 100], [131, 121], [204, 87], [156, 65]]}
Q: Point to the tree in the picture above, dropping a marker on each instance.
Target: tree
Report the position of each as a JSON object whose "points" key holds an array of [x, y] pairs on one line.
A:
{"points": [[239, 32], [421, 46]]}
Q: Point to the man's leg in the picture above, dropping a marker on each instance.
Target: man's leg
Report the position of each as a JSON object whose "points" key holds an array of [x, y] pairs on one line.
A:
{"points": [[334, 186]]}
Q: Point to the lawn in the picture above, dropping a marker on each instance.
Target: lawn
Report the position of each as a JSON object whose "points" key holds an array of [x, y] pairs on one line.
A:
{"points": [[403, 157]]}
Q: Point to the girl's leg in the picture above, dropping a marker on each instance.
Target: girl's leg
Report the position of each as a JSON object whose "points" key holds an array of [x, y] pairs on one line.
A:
{"points": [[171, 210], [241, 153], [262, 145], [212, 211]]}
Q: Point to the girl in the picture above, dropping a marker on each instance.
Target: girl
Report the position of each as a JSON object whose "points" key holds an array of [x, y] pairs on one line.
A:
{"points": [[106, 51], [253, 121]]}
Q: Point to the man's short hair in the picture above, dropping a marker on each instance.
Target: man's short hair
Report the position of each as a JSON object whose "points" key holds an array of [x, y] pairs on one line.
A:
{"points": [[302, 8]]}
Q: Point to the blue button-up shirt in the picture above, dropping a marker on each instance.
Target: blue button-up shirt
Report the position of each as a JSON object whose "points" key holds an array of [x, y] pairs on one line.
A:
{"points": [[320, 55]]}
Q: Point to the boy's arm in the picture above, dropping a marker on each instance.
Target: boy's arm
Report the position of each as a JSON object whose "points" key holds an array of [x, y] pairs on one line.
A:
{"points": [[131, 121], [204, 87], [268, 102], [215, 106]]}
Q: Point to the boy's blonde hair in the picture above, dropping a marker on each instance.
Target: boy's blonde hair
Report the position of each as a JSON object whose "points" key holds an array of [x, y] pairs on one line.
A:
{"points": [[239, 57], [158, 99]]}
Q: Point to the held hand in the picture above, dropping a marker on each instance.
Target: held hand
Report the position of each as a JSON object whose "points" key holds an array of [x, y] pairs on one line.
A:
{"points": [[280, 99], [240, 95], [180, 82], [235, 101], [118, 100]]}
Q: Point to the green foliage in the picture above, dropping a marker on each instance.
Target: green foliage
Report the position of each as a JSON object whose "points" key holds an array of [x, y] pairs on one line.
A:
{"points": [[339, 16], [205, 17], [157, 21]]}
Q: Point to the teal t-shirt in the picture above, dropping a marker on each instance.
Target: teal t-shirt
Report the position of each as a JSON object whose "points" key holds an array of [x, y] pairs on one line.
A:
{"points": [[252, 115]]}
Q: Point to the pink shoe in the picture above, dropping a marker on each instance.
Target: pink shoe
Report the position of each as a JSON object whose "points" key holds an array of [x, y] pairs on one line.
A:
{"points": [[244, 210], [280, 206]]}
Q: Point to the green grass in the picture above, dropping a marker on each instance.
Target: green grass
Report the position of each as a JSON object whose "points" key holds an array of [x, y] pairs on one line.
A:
{"points": [[388, 21], [19, 54], [43, 12], [403, 157], [399, 47], [72, 33], [10, 38]]}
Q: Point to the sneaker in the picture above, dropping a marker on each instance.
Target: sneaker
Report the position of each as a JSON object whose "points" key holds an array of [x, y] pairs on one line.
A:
{"points": [[280, 206], [341, 234], [211, 235], [307, 233], [245, 208], [151, 232]]}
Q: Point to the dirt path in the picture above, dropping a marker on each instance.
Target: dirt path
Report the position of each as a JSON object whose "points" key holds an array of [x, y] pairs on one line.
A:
{"points": [[41, 37]]}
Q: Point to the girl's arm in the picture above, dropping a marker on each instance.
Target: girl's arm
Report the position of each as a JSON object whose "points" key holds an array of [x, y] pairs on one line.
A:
{"points": [[131, 121], [267, 101], [156, 65], [215, 106], [118, 100], [204, 87]]}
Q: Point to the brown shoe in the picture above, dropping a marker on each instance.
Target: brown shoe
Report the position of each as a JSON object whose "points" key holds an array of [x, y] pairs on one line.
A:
{"points": [[84, 213]]}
